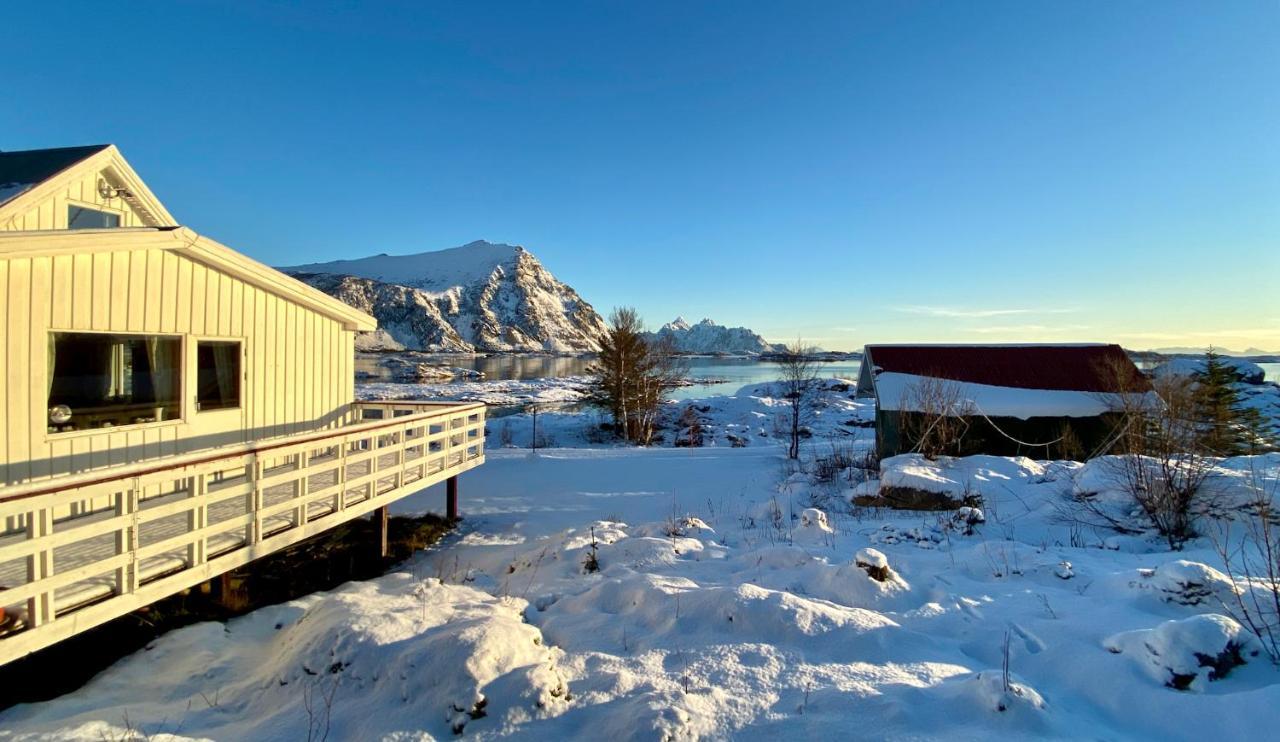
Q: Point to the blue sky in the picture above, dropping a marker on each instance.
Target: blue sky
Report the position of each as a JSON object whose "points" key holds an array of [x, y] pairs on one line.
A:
{"points": [[845, 172]]}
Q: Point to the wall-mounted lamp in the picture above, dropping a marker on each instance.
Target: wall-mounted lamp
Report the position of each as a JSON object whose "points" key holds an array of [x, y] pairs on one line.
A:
{"points": [[108, 191]]}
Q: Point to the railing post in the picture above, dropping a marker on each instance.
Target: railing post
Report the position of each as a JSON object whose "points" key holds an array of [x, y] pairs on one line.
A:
{"points": [[40, 566], [122, 542], [341, 502], [401, 459], [255, 501], [198, 518], [133, 496], [301, 463]]}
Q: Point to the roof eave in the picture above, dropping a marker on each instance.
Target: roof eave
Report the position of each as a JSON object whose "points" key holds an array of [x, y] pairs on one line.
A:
{"points": [[189, 243], [211, 251]]}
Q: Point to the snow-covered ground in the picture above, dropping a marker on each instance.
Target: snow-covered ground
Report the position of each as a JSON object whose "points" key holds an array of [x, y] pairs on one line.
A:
{"points": [[679, 593]]}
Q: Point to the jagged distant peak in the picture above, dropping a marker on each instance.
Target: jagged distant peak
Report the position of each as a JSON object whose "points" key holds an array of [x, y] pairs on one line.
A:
{"points": [[709, 337], [479, 296]]}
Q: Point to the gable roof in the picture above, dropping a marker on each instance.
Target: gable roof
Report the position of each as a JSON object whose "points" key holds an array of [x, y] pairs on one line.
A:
{"points": [[27, 177], [22, 170], [1096, 368]]}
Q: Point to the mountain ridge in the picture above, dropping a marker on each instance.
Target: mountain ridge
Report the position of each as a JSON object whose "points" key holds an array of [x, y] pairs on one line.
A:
{"points": [[708, 337], [481, 296]]}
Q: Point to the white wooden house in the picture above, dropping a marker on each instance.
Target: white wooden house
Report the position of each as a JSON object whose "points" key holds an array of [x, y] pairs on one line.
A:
{"points": [[171, 408]]}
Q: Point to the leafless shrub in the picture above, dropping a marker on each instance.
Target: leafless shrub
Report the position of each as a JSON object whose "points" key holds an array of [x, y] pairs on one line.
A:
{"points": [[932, 414], [839, 460], [1253, 563], [592, 562], [1161, 461], [318, 703]]}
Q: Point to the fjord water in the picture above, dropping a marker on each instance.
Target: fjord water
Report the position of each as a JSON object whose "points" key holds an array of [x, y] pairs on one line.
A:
{"points": [[727, 375], [731, 373]]}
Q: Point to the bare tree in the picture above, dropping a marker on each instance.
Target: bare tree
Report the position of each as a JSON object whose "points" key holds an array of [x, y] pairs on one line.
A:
{"points": [[799, 371], [932, 416], [633, 375]]}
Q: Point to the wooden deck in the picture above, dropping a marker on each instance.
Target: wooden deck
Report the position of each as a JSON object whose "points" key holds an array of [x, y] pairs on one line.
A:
{"points": [[141, 532]]}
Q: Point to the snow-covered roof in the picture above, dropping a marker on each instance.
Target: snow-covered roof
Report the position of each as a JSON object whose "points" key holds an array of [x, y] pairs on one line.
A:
{"points": [[895, 392], [1022, 381]]}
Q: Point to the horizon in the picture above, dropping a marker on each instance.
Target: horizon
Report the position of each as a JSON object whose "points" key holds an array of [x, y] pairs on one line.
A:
{"points": [[845, 174], [654, 324]]}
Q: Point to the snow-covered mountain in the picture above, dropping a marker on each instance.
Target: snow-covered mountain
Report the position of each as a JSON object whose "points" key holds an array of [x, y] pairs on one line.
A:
{"points": [[708, 337], [481, 296]]}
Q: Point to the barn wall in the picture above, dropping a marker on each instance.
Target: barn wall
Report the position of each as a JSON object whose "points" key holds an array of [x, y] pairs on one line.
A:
{"points": [[51, 212], [297, 363], [1087, 435]]}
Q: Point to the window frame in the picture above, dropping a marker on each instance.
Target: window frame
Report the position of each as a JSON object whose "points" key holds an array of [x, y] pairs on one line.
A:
{"points": [[195, 375], [181, 419], [119, 213]]}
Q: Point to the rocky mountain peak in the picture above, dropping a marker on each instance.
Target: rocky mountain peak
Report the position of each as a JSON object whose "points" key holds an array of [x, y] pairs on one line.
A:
{"points": [[482, 296], [709, 337]]}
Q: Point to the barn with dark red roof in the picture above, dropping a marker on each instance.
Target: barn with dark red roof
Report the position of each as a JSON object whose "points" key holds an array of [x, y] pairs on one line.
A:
{"points": [[1044, 401]]}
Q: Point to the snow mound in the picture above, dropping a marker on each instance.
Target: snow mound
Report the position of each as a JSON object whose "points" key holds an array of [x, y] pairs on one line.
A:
{"points": [[1187, 653], [957, 478], [987, 689], [871, 558], [814, 528], [423, 654], [645, 612], [1189, 583]]}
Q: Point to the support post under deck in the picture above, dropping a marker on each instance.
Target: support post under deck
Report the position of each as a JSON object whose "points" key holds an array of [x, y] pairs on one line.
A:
{"points": [[451, 498], [381, 518]]}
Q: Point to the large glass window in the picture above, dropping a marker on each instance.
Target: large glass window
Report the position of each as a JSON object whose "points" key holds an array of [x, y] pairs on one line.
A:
{"points": [[97, 380], [218, 382], [79, 217]]}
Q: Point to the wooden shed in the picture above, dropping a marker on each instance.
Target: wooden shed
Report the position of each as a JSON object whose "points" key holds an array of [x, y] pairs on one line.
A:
{"points": [[1038, 400], [171, 408]]}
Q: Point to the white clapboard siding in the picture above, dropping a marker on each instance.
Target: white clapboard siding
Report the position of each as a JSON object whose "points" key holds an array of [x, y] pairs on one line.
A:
{"points": [[297, 362]]}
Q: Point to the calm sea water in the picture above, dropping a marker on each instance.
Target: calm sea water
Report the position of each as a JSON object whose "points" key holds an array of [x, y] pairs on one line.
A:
{"points": [[737, 372]]}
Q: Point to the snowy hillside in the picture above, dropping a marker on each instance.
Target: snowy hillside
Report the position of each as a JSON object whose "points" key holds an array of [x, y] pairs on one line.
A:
{"points": [[705, 594], [708, 337], [481, 296]]}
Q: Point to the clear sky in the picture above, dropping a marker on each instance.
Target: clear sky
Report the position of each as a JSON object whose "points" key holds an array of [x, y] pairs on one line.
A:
{"points": [[847, 172]]}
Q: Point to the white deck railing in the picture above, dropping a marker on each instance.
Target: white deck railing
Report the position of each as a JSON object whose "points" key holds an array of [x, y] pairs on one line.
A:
{"points": [[162, 526]]}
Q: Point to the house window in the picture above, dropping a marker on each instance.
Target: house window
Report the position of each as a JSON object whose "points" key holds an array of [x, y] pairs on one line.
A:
{"points": [[79, 217], [97, 380], [218, 375]]}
